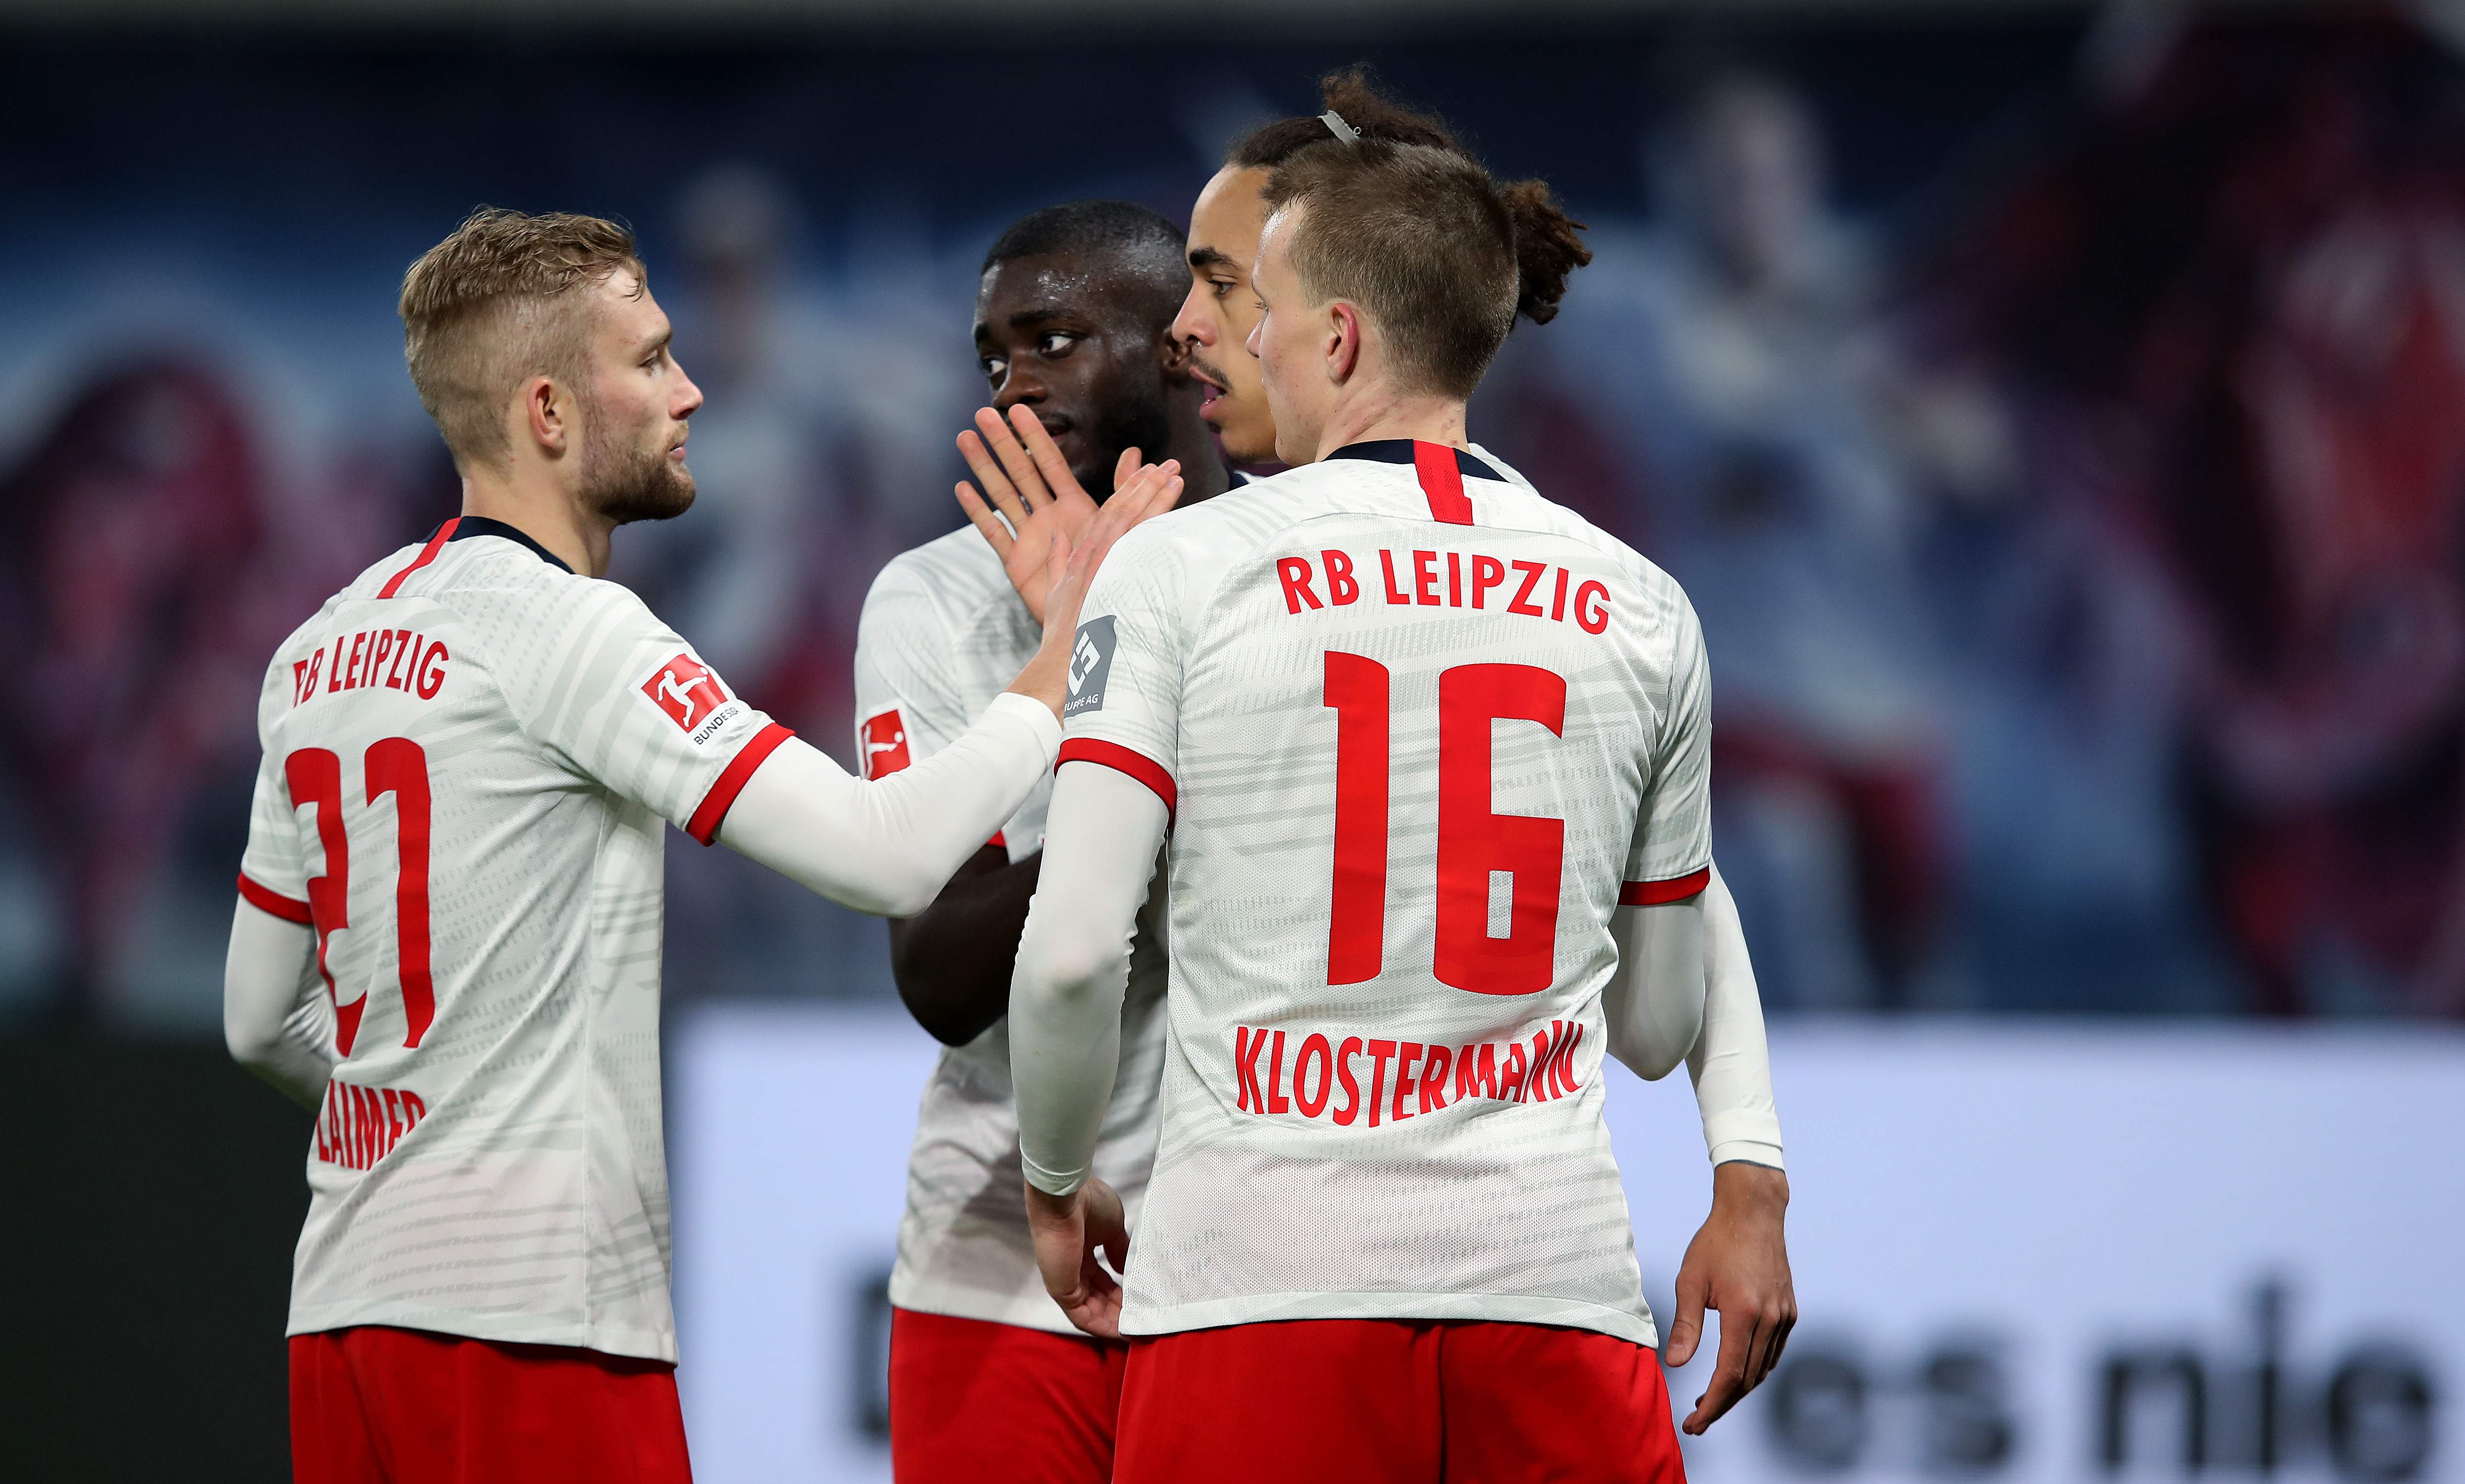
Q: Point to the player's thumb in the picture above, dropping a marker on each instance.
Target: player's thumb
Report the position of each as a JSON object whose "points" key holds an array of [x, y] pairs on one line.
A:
{"points": [[1687, 1331]]}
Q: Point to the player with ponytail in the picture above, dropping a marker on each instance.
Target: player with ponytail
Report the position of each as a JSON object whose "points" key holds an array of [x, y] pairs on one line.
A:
{"points": [[1432, 753]]}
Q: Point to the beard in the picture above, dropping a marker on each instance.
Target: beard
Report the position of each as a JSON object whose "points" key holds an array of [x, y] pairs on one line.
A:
{"points": [[1139, 420], [625, 482]]}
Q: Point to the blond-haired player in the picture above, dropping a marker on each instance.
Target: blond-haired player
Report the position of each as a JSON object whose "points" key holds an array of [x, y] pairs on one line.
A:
{"points": [[448, 935]]}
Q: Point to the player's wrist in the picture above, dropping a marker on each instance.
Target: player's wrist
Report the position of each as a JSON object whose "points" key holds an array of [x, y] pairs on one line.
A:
{"points": [[1749, 1189], [1045, 678]]}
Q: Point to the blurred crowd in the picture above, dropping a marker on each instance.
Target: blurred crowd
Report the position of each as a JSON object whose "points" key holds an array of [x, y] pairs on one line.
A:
{"points": [[2079, 554]]}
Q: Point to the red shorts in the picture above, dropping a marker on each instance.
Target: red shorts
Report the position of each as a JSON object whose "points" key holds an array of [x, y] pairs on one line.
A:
{"points": [[1395, 1401], [972, 1401], [373, 1405]]}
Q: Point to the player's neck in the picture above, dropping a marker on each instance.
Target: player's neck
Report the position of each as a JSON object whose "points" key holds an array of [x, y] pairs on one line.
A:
{"points": [[543, 510], [1376, 413]]}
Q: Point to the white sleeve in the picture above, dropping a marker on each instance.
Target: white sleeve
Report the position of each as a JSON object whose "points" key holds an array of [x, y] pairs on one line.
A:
{"points": [[1731, 1064], [1654, 1001], [888, 846], [276, 1016], [1074, 965]]}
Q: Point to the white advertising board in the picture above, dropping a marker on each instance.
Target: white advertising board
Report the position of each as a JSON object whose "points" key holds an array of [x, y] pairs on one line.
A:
{"points": [[2023, 1252]]}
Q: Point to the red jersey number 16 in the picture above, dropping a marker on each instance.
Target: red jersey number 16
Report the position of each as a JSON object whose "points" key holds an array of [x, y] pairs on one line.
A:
{"points": [[1475, 843]]}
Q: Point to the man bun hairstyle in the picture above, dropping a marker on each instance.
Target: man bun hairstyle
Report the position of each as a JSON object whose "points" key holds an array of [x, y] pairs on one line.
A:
{"points": [[494, 305], [1443, 255], [1354, 93]]}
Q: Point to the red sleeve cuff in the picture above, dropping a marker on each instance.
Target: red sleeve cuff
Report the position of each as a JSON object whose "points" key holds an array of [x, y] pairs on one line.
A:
{"points": [[266, 900], [1113, 755], [704, 825], [1652, 893]]}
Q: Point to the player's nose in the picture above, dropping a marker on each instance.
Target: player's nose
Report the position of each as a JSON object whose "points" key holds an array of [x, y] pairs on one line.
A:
{"points": [[688, 396], [1193, 325], [1019, 386]]}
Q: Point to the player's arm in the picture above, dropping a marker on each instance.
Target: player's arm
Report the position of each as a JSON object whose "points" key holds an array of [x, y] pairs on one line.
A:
{"points": [[952, 961], [887, 846], [276, 1016], [1065, 1024], [1654, 1002], [1737, 1263]]}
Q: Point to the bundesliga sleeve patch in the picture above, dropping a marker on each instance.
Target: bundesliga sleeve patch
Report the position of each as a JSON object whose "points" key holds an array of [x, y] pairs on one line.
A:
{"points": [[885, 745], [1091, 665], [686, 689]]}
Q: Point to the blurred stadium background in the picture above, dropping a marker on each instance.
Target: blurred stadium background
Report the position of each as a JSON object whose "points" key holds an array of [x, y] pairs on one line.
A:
{"points": [[2056, 412]]}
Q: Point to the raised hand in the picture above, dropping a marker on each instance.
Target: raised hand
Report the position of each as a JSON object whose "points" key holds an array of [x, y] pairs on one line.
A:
{"points": [[1149, 492], [1027, 481], [1069, 1231], [1738, 1265], [1146, 494]]}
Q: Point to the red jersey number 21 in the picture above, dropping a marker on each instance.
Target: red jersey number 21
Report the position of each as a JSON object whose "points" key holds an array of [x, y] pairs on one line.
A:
{"points": [[1475, 843], [395, 765]]}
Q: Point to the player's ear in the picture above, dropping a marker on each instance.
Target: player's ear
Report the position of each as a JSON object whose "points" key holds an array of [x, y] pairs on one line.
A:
{"points": [[1344, 341], [546, 411]]}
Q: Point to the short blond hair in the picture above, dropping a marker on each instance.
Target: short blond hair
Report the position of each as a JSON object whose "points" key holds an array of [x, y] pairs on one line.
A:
{"points": [[492, 305]]}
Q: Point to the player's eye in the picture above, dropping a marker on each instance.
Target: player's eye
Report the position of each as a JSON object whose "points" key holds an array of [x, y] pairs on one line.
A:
{"points": [[1221, 286], [1053, 342], [994, 367]]}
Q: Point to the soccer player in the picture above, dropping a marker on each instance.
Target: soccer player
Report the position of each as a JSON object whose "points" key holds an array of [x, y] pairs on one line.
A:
{"points": [[1433, 754], [1738, 1265], [1073, 330], [448, 935]]}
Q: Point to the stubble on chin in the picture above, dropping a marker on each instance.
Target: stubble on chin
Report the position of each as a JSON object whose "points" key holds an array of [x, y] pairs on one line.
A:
{"points": [[644, 486]]}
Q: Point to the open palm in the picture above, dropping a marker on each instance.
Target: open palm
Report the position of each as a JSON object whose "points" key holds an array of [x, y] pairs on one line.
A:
{"points": [[1041, 508]]}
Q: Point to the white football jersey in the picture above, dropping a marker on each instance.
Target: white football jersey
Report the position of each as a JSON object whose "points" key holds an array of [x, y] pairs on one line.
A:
{"points": [[943, 634], [1421, 731], [471, 757]]}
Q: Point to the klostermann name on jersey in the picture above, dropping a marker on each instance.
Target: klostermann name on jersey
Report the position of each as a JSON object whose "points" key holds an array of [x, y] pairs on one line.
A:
{"points": [[471, 759], [1420, 733]]}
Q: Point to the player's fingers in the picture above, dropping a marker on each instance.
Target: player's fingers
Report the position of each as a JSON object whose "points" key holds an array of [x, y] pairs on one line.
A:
{"points": [[1044, 454], [1014, 459], [981, 516], [1759, 1358], [997, 486], [1150, 492], [1728, 1374], [1687, 1331], [1126, 468], [1779, 1342]]}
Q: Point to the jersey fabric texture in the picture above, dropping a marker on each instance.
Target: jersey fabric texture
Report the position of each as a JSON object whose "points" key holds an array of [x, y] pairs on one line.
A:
{"points": [[941, 634], [1421, 732], [472, 755]]}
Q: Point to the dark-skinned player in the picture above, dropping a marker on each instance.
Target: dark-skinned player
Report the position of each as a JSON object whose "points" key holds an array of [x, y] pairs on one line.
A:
{"points": [[1074, 315]]}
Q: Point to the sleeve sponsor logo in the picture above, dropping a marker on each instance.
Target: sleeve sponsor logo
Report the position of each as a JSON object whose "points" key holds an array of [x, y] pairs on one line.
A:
{"points": [[686, 689], [883, 741], [1091, 665]]}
